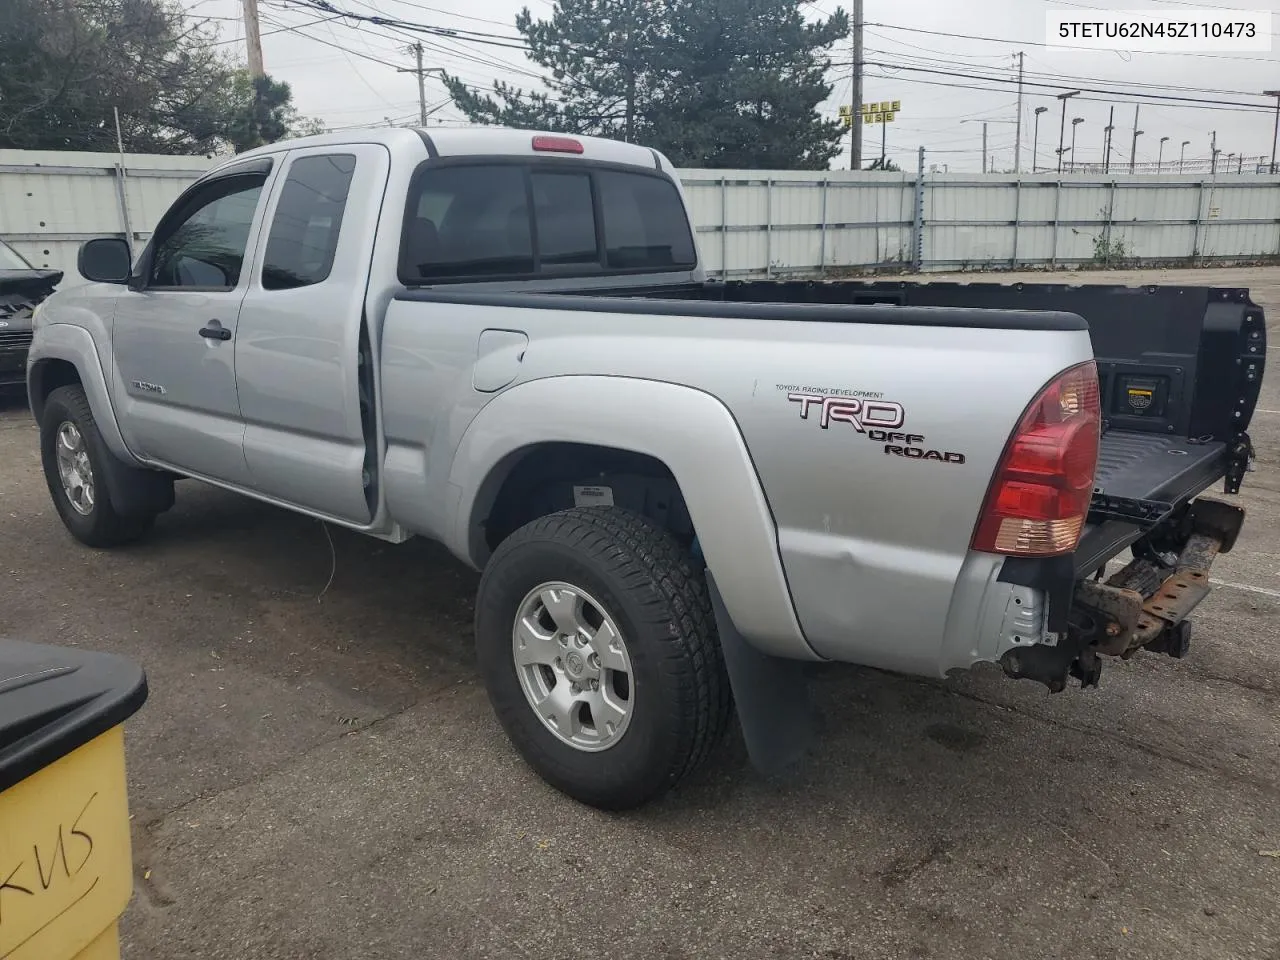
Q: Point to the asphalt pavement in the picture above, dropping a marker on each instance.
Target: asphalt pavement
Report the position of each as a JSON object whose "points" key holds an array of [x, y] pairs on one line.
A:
{"points": [[317, 773]]}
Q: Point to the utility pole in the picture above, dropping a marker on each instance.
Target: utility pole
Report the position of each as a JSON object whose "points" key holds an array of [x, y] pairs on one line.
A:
{"points": [[253, 38], [422, 85], [421, 71], [984, 146], [855, 147], [1106, 150], [1276, 131], [1017, 130], [1133, 151], [1062, 127], [1035, 137], [1213, 153]]}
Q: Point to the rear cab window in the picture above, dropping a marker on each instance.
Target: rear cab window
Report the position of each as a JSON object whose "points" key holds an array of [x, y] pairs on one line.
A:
{"points": [[308, 221], [485, 220]]}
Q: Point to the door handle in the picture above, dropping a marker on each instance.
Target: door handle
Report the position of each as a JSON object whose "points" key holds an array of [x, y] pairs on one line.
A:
{"points": [[215, 331]]}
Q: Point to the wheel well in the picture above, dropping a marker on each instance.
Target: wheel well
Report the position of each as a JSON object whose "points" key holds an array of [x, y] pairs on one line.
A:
{"points": [[46, 377], [544, 478]]}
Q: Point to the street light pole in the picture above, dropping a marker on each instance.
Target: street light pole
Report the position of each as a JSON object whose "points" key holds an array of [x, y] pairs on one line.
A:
{"points": [[1133, 150], [1276, 130], [1075, 122], [1160, 157], [1062, 127], [1182, 154], [1035, 146], [1106, 149]]}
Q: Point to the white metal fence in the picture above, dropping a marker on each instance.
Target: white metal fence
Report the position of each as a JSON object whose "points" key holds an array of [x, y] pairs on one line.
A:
{"points": [[767, 223], [753, 223], [51, 201]]}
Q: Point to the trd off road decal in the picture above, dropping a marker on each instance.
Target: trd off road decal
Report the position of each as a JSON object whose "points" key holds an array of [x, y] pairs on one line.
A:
{"points": [[870, 415]]}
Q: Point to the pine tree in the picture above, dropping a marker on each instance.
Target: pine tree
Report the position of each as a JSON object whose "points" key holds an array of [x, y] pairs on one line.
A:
{"points": [[713, 83]]}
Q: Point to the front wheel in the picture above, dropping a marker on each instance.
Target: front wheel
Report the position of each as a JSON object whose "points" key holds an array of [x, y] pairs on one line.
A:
{"points": [[598, 648], [74, 457]]}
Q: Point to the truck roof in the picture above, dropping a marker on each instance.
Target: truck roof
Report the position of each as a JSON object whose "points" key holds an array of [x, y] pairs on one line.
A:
{"points": [[478, 141]]}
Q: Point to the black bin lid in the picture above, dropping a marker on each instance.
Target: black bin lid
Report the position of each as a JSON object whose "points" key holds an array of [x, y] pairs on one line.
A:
{"points": [[54, 700]]}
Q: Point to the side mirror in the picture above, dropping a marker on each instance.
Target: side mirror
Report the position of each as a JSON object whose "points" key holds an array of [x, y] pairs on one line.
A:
{"points": [[105, 260]]}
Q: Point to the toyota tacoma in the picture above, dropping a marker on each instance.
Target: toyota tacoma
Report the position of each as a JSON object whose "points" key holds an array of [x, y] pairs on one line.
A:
{"points": [[679, 491]]}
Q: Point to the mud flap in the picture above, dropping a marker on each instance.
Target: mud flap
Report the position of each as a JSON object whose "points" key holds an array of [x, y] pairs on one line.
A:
{"points": [[771, 695], [136, 492]]}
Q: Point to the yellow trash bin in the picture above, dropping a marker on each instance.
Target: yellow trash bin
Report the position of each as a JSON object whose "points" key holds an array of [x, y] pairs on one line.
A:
{"points": [[66, 870]]}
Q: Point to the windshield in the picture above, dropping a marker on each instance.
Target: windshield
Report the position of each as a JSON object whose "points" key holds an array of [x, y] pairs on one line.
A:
{"points": [[10, 259]]}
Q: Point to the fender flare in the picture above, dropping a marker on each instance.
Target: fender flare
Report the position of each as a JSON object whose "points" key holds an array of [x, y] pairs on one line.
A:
{"points": [[692, 433], [74, 345], [135, 490]]}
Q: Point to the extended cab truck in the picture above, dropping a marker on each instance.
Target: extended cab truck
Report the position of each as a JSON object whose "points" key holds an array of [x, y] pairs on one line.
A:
{"points": [[679, 491]]}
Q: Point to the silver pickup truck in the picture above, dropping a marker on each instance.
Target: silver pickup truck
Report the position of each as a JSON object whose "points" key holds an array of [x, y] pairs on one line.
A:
{"points": [[679, 491]]}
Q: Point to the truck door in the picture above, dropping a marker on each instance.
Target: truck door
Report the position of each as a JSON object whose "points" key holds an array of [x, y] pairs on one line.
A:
{"points": [[306, 397], [173, 340]]}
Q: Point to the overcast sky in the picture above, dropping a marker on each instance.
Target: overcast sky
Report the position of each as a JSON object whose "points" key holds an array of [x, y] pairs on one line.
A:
{"points": [[334, 71]]}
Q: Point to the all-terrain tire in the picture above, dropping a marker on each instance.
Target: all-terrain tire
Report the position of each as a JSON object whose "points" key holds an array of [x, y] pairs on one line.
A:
{"points": [[101, 525], [642, 579]]}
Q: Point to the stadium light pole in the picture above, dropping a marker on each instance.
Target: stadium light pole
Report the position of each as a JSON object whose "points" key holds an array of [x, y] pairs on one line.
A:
{"points": [[1062, 127], [1276, 130]]}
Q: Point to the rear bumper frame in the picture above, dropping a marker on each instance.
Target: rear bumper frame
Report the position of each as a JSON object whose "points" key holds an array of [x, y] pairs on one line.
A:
{"points": [[1144, 605]]}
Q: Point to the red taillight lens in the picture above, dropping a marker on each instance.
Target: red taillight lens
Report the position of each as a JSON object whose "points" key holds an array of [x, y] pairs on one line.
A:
{"points": [[557, 144], [1040, 495]]}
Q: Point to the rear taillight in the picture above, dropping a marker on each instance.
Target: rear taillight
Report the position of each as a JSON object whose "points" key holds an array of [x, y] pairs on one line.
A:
{"points": [[1040, 495]]}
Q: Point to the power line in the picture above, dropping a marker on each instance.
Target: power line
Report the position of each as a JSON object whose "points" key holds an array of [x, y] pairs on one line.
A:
{"points": [[916, 59], [282, 28], [472, 36], [1175, 99], [373, 59], [442, 36], [267, 33], [504, 65], [450, 13], [969, 86], [967, 56], [1041, 43]]}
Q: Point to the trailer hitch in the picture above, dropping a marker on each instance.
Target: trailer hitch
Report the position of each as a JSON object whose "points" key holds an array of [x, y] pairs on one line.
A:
{"points": [[1145, 605]]}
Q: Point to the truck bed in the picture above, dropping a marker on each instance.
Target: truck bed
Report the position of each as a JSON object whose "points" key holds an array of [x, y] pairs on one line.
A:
{"points": [[1180, 367], [1180, 371]]}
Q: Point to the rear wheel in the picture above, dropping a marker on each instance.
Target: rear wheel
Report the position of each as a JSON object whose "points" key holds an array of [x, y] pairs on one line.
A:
{"points": [[598, 649], [74, 457]]}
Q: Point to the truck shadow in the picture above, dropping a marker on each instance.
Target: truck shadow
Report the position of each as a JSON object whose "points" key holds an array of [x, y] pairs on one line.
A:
{"points": [[13, 401], [944, 803], [981, 745]]}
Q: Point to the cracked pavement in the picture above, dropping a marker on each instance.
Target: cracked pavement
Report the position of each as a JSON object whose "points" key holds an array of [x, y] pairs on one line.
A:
{"points": [[317, 773]]}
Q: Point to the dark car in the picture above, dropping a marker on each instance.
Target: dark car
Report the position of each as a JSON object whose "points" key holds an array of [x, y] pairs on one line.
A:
{"points": [[22, 286]]}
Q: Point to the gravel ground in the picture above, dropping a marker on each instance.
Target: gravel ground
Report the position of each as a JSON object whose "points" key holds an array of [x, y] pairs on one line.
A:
{"points": [[317, 773]]}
